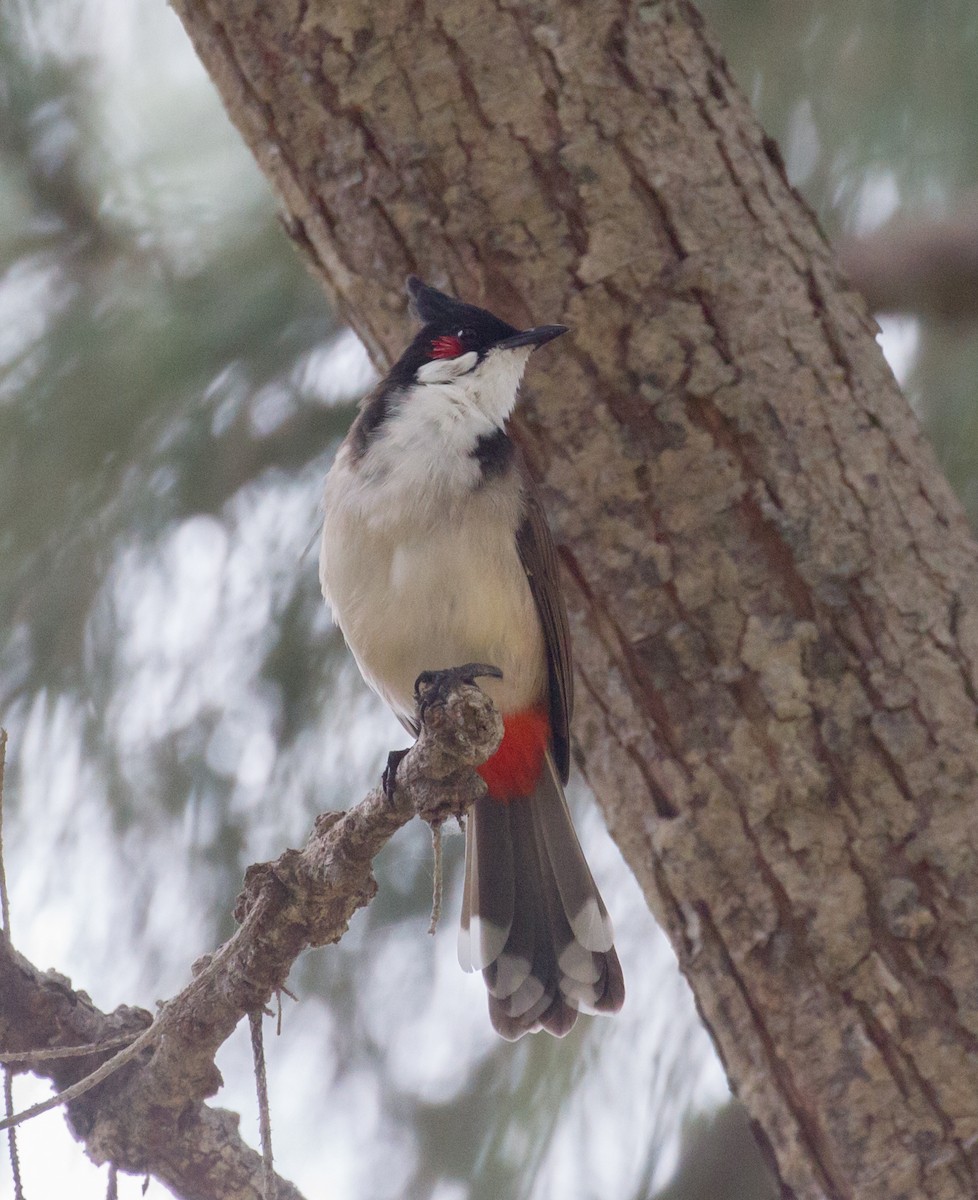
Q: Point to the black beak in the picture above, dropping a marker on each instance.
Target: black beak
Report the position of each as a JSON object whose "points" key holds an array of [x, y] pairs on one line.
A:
{"points": [[532, 337]]}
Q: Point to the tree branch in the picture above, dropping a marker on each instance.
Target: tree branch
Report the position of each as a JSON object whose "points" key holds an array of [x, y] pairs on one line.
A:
{"points": [[149, 1117], [928, 267]]}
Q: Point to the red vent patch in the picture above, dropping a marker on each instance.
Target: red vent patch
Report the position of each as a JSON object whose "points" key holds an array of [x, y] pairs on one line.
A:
{"points": [[514, 770]]}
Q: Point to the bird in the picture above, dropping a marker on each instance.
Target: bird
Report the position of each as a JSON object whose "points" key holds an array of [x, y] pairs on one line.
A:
{"points": [[435, 554]]}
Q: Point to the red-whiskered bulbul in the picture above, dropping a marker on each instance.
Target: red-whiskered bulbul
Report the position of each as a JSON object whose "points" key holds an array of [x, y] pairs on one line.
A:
{"points": [[436, 553]]}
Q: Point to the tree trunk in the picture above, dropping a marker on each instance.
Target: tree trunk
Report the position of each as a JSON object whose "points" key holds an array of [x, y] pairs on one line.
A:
{"points": [[772, 588]]}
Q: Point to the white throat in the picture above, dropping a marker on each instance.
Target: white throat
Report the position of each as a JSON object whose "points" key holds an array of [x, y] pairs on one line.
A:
{"points": [[423, 452], [485, 388]]}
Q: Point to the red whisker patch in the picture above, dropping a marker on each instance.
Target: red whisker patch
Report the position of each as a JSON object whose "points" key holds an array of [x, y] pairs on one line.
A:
{"points": [[446, 347]]}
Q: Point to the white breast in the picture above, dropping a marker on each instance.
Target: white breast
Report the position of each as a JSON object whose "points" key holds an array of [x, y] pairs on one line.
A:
{"points": [[424, 578]]}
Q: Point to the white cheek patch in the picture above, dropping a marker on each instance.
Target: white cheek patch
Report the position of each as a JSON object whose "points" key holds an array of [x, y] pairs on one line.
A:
{"points": [[443, 370], [497, 381]]}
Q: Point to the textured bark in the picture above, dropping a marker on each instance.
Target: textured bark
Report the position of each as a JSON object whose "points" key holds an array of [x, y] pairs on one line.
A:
{"points": [[772, 588]]}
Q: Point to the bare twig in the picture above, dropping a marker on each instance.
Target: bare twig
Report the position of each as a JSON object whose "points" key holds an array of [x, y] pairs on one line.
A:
{"points": [[77, 1090], [8, 1100], [8, 1081], [4, 901], [436, 883], [919, 265], [51, 1053], [279, 992], [269, 1190]]}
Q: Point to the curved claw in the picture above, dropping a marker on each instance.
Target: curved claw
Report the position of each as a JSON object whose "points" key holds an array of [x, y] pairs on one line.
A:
{"points": [[389, 778], [432, 687]]}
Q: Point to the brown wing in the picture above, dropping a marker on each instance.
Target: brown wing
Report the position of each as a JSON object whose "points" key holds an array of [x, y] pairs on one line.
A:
{"points": [[539, 558]]}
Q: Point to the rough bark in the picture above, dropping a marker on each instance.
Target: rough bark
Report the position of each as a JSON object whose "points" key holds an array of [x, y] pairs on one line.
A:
{"points": [[772, 587]]}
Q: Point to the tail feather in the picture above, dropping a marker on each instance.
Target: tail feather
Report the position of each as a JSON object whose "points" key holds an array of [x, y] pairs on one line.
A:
{"points": [[613, 995], [532, 919], [579, 964], [580, 898], [487, 909]]}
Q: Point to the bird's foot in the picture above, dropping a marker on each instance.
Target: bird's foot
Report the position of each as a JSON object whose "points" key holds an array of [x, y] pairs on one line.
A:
{"points": [[433, 687], [389, 778]]}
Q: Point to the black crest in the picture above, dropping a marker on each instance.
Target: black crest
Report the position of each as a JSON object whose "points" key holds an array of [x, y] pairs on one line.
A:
{"points": [[429, 305], [444, 317]]}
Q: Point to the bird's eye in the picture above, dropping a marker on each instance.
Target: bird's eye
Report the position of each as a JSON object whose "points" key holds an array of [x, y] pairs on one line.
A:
{"points": [[449, 346]]}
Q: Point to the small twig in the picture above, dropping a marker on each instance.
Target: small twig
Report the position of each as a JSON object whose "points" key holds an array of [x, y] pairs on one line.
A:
{"points": [[8, 1100], [8, 1079], [112, 1190], [279, 993], [85, 1085], [436, 883], [269, 1185], [55, 1052], [4, 901]]}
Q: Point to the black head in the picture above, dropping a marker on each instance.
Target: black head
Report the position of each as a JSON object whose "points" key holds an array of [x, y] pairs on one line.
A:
{"points": [[450, 331], [451, 328]]}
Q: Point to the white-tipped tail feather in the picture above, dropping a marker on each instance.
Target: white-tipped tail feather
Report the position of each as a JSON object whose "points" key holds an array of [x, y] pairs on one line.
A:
{"points": [[481, 938], [532, 919]]}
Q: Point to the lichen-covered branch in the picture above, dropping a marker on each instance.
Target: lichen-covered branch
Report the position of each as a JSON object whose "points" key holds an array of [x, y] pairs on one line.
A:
{"points": [[772, 588], [150, 1117]]}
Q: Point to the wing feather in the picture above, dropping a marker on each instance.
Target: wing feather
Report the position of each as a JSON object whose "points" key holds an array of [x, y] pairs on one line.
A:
{"points": [[537, 552]]}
